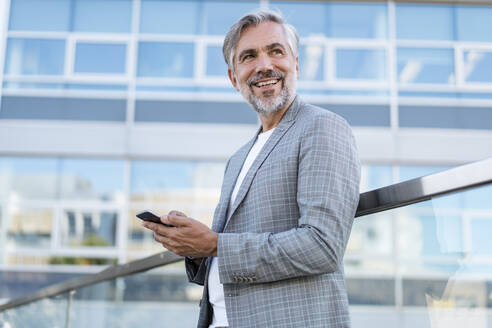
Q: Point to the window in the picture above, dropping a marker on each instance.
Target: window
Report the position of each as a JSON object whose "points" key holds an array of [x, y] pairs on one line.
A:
{"points": [[216, 65], [435, 22], [477, 66], [311, 62], [218, 16], [420, 65], [309, 18], [84, 228], [29, 227], [357, 20], [35, 15], [171, 59], [35, 57], [100, 58], [111, 16], [474, 23], [173, 17], [367, 64]]}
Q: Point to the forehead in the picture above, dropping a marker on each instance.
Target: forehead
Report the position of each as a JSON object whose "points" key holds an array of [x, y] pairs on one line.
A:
{"points": [[266, 33]]}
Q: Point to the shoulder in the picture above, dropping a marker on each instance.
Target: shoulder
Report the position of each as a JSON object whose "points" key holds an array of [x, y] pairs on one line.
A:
{"points": [[312, 118]]}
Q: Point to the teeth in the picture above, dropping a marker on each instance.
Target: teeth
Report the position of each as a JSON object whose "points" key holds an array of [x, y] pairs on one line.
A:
{"points": [[260, 84]]}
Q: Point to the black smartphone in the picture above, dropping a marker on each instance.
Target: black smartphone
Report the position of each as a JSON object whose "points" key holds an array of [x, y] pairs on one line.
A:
{"points": [[151, 217]]}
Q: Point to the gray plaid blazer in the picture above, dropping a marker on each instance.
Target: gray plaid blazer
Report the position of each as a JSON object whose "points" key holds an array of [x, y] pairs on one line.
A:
{"points": [[280, 249]]}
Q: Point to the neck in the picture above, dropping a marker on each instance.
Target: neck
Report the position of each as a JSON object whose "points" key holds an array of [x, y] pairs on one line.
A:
{"points": [[268, 122]]}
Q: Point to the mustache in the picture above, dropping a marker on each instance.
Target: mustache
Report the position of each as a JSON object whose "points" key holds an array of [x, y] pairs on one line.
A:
{"points": [[263, 75]]}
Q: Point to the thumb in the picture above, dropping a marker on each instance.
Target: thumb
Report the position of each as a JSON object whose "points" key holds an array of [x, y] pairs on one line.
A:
{"points": [[178, 219]]}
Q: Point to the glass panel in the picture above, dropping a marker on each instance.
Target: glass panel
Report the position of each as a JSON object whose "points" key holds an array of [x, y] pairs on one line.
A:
{"points": [[419, 65], [216, 65], [35, 15], [474, 23], [357, 20], [375, 176], [102, 16], [361, 64], [88, 228], [372, 235], [309, 18], [478, 65], [32, 56], [88, 179], [172, 59], [29, 227], [49, 312], [27, 178], [411, 172], [361, 115], [435, 22], [218, 16], [157, 16], [311, 61], [100, 58]]}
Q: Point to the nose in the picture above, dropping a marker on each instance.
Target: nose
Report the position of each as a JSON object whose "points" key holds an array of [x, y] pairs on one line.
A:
{"points": [[264, 63]]}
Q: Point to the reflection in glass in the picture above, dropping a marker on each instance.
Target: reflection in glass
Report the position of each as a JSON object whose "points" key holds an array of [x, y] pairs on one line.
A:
{"points": [[35, 15], [27, 178], [35, 56], [477, 66], [88, 228], [29, 227], [357, 20], [158, 16], [364, 64], [86, 179], [420, 65], [100, 58], [311, 61], [171, 59], [218, 16], [435, 22], [474, 23], [216, 65], [112, 16]]}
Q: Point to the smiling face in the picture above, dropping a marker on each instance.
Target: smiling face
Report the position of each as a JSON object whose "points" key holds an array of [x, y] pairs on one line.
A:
{"points": [[265, 70]]}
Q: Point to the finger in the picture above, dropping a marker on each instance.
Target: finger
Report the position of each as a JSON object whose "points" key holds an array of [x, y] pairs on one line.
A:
{"points": [[157, 227], [178, 220], [176, 213]]}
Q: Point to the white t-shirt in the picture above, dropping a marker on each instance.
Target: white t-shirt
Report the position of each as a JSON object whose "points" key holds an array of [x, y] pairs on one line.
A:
{"points": [[215, 288]]}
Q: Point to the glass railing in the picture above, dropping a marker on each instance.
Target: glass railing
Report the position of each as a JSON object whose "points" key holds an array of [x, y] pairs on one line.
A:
{"points": [[421, 256]]}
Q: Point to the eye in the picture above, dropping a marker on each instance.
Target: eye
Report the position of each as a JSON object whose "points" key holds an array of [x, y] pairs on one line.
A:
{"points": [[277, 51]]}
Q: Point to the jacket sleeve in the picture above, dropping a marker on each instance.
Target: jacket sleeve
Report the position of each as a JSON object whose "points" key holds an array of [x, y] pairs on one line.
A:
{"points": [[327, 196]]}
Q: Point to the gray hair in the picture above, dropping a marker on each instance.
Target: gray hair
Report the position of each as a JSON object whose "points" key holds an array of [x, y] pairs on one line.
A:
{"points": [[255, 19]]}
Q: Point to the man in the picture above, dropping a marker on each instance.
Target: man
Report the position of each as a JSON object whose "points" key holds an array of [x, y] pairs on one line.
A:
{"points": [[273, 257]]}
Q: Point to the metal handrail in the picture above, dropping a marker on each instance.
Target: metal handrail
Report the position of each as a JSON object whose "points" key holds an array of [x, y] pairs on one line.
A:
{"points": [[374, 201]]}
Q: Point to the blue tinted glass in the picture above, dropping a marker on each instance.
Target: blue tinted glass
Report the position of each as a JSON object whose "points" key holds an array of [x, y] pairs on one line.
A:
{"points": [[474, 23], [361, 64], [32, 56], [216, 65], [153, 176], [91, 178], [478, 66], [435, 22], [218, 16], [102, 16], [174, 17], [412, 172], [309, 18], [172, 59], [311, 62], [418, 65], [100, 58], [357, 20], [35, 15], [375, 176], [481, 241]]}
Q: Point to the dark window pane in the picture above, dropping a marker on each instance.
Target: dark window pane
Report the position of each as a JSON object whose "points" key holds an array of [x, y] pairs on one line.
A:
{"points": [[478, 66], [362, 115], [361, 64], [309, 18], [35, 15], [102, 16], [218, 16], [171, 59], [357, 20], [216, 65], [435, 22], [62, 108], [474, 23], [35, 57], [194, 112], [311, 62], [371, 291], [91, 179], [100, 58], [173, 17], [419, 65], [446, 117]]}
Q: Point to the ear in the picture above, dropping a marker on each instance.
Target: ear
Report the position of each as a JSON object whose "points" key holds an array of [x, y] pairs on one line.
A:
{"points": [[297, 67], [233, 79]]}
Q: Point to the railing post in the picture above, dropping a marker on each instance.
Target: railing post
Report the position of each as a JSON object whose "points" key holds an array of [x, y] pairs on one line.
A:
{"points": [[69, 308]]}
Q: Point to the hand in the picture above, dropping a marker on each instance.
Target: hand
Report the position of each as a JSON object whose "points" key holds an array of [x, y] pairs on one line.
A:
{"points": [[187, 237]]}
